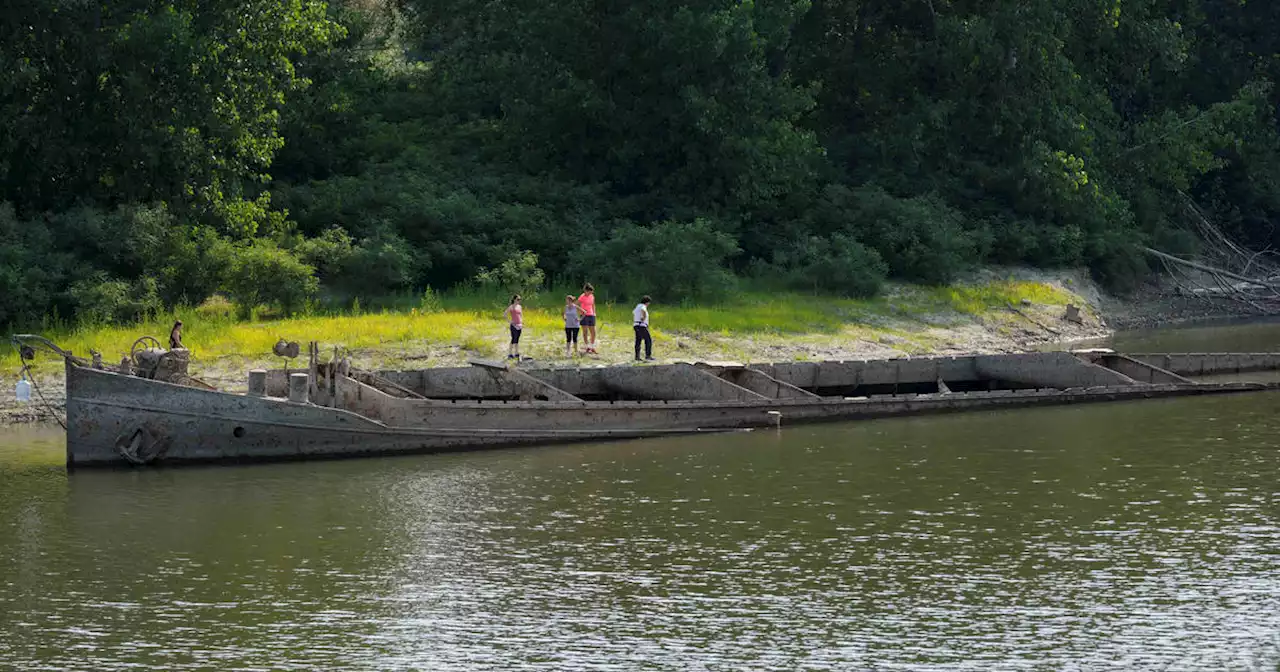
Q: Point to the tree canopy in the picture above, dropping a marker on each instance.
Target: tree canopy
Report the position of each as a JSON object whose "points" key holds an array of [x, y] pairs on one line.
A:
{"points": [[175, 149]]}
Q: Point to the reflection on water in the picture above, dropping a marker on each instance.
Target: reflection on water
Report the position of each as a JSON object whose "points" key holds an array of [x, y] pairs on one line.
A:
{"points": [[1257, 336], [1133, 536]]}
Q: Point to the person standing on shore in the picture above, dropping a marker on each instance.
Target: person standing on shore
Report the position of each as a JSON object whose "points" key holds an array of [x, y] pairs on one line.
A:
{"points": [[515, 321], [640, 322], [587, 302], [175, 337], [572, 314]]}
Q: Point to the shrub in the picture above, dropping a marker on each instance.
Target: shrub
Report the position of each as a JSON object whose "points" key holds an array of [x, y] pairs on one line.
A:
{"points": [[381, 264], [518, 274], [837, 264], [1116, 263], [262, 273], [32, 272], [328, 253], [191, 263], [216, 307], [1038, 243], [920, 238], [188, 262], [671, 261], [104, 300], [431, 302]]}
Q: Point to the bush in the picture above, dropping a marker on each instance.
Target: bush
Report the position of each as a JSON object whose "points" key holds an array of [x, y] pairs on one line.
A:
{"points": [[191, 263], [216, 308], [671, 261], [837, 264], [430, 302], [329, 253], [33, 274], [263, 274], [104, 300], [459, 213], [1116, 262], [128, 242], [920, 238], [381, 264], [1036, 243], [518, 274]]}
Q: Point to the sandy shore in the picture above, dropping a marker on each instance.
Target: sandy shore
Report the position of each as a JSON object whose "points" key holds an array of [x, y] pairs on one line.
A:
{"points": [[1015, 329]]}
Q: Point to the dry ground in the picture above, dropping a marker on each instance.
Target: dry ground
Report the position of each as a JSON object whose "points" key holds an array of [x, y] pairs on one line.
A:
{"points": [[1008, 311]]}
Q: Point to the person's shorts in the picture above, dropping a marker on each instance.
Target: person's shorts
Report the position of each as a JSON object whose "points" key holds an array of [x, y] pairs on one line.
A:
{"points": [[570, 335], [588, 320], [515, 334]]}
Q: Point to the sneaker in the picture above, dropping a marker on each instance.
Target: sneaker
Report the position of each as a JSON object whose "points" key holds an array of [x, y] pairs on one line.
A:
{"points": [[650, 359]]}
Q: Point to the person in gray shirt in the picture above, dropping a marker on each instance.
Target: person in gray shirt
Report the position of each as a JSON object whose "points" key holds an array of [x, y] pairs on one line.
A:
{"points": [[572, 320]]}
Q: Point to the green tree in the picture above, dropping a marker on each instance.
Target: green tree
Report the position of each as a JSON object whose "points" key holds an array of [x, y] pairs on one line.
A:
{"points": [[134, 101], [678, 106]]}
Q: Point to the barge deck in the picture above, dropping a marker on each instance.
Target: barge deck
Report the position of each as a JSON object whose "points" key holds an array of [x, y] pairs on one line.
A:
{"points": [[152, 413]]}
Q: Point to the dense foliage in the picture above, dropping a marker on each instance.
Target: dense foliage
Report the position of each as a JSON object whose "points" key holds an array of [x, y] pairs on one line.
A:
{"points": [[289, 153]]}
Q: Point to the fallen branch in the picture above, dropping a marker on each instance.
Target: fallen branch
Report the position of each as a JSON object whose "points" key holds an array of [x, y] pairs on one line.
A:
{"points": [[1211, 270]]}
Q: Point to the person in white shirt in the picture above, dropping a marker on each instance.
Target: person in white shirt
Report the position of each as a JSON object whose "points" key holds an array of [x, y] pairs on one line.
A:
{"points": [[640, 321]]}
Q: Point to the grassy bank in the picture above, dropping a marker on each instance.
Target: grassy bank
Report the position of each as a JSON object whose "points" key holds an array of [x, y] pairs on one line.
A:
{"points": [[452, 327]]}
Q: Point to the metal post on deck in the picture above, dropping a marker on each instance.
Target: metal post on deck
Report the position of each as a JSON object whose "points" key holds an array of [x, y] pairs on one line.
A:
{"points": [[298, 387], [258, 383]]}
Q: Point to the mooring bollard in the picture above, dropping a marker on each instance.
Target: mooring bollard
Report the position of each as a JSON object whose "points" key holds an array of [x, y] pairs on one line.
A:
{"points": [[298, 384], [258, 383]]}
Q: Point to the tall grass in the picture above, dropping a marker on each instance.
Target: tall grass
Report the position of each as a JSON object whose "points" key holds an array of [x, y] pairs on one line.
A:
{"points": [[472, 320], [979, 299]]}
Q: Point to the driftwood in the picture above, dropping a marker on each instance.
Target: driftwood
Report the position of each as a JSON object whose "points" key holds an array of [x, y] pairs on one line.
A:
{"points": [[1212, 270], [1225, 271]]}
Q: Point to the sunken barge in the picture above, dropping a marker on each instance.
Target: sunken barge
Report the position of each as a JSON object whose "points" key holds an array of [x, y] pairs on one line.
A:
{"points": [[150, 411]]}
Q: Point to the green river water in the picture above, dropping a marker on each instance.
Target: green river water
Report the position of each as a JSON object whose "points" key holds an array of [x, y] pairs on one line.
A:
{"points": [[1129, 536]]}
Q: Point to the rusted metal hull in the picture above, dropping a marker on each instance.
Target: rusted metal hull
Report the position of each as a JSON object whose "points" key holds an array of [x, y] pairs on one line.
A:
{"points": [[114, 419], [117, 419]]}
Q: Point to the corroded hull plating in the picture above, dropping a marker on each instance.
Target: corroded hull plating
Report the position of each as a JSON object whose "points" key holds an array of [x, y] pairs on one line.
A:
{"points": [[115, 419]]}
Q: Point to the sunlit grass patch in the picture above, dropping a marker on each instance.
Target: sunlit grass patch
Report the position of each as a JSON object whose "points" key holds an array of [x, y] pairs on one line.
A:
{"points": [[983, 298], [470, 323], [786, 314]]}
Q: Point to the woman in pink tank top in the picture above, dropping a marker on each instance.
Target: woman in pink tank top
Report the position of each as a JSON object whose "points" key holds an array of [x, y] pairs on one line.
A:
{"points": [[588, 304]]}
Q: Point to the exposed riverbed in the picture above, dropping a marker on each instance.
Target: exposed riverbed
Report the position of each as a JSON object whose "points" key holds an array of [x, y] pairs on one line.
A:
{"points": [[1129, 536]]}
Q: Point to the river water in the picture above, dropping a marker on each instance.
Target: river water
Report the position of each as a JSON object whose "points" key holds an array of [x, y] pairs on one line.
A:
{"points": [[1130, 536]]}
